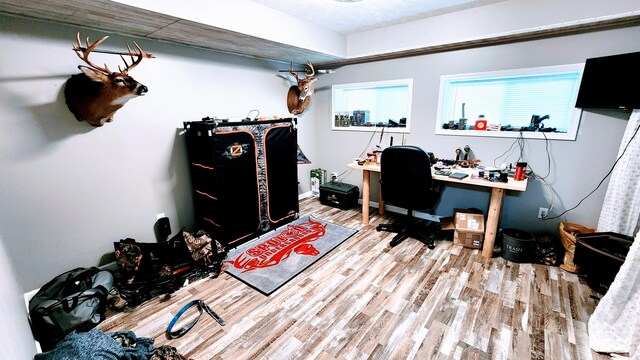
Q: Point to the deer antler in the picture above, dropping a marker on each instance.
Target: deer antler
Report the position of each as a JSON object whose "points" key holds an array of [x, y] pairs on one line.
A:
{"points": [[313, 71], [134, 62], [295, 74], [83, 53]]}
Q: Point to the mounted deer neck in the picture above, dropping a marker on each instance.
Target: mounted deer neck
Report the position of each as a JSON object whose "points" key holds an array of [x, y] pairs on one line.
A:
{"points": [[299, 95], [97, 93]]}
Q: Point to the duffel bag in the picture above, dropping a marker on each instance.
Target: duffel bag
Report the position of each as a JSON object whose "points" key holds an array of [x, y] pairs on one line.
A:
{"points": [[75, 300]]}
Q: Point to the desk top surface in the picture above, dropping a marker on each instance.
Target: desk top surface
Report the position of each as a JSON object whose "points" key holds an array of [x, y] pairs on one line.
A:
{"points": [[469, 180]]}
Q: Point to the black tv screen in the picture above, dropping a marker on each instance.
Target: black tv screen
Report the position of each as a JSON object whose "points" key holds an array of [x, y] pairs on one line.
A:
{"points": [[611, 82]]}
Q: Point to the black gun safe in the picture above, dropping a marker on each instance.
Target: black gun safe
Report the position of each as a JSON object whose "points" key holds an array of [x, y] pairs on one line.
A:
{"points": [[244, 176]]}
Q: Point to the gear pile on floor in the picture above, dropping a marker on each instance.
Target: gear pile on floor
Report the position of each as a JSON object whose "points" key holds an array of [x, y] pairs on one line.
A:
{"points": [[98, 345]]}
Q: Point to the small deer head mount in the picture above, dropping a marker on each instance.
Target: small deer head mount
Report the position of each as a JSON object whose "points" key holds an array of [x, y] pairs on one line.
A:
{"points": [[97, 93], [299, 95]]}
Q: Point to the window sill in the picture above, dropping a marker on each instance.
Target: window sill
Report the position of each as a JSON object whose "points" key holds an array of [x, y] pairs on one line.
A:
{"points": [[396, 130], [509, 134]]}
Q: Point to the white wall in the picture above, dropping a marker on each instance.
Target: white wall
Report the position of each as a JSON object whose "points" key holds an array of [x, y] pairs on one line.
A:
{"points": [[16, 339], [576, 166], [493, 19], [69, 190]]}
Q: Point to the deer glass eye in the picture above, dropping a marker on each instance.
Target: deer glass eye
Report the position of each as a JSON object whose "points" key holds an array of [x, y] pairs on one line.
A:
{"points": [[119, 81]]}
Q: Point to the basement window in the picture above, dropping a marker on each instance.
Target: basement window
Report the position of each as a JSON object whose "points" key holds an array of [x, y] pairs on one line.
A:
{"points": [[537, 102], [372, 106]]}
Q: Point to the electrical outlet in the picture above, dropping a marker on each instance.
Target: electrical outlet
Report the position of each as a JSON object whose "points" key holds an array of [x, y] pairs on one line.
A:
{"points": [[542, 213], [334, 176]]}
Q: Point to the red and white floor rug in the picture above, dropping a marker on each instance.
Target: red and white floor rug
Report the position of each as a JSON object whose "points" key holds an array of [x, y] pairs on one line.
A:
{"points": [[268, 262]]}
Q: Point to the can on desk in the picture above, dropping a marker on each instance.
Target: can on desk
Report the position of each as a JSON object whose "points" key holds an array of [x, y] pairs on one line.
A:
{"points": [[521, 169]]}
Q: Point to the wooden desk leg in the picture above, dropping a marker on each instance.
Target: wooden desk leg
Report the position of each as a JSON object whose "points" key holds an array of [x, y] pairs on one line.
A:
{"points": [[365, 196], [493, 218], [380, 201]]}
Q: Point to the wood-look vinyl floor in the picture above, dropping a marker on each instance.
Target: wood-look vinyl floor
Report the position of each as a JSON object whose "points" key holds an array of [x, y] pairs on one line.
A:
{"points": [[367, 300]]}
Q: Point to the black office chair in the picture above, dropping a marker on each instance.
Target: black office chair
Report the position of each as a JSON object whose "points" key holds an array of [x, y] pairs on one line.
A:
{"points": [[405, 180]]}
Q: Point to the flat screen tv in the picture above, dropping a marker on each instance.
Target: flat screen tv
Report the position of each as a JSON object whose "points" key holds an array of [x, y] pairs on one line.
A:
{"points": [[611, 82]]}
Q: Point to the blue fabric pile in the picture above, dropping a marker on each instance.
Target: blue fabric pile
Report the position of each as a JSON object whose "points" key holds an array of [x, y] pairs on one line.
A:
{"points": [[98, 345]]}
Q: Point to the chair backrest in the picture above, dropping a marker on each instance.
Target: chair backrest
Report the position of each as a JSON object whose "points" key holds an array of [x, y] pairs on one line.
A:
{"points": [[406, 177]]}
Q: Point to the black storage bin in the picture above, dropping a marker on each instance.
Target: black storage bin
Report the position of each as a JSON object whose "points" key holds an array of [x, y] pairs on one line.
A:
{"points": [[338, 194], [244, 176], [600, 256]]}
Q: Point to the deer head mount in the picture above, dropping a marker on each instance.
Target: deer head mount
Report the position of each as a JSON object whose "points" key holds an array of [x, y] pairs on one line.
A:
{"points": [[97, 93], [299, 95]]}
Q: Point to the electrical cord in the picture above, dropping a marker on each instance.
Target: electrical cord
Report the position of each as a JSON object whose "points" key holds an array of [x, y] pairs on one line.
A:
{"points": [[344, 174], [553, 196], [603, 179], [367, 146], [546, 146], [505, 153], [348, 171], [543, 178], [381, 136], [520, 141]]}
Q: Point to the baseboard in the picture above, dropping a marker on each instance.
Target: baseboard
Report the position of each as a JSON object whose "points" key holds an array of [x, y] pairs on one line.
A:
{"points": [[27, 297], [112, 266], [305, 195], [402, 211]]}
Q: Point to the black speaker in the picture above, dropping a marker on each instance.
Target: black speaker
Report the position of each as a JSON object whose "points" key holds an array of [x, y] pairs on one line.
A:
{"points": [[164, 227]]}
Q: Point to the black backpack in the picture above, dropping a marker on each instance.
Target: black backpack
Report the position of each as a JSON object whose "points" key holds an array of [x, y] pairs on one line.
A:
{"points": [[74, 300]]}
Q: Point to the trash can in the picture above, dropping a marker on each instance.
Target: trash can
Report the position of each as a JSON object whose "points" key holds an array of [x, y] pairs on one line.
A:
{"points": [[517, 245], [600, 256]]}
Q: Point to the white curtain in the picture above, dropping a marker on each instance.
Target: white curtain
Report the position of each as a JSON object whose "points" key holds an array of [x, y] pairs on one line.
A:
{"points": [[614, 326], [621, 208]]}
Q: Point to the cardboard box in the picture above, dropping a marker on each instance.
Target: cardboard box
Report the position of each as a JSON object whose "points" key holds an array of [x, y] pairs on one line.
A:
{"points": [[469, 229], [446, 223], [467, 239], [469, 222]]}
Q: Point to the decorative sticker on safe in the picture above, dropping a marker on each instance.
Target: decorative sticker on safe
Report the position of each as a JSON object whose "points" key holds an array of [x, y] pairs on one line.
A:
{"points": [[235, 151]]}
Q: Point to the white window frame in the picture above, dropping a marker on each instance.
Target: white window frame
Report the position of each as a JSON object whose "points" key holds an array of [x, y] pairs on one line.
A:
{"points": [[372, 85], [573, 121]]}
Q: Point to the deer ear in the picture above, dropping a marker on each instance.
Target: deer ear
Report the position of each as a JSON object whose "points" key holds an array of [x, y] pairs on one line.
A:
{"points": [[93, 74]]}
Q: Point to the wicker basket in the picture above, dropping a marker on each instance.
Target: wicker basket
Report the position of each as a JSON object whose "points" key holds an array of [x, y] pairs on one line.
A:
{"points": [[567, 235]]}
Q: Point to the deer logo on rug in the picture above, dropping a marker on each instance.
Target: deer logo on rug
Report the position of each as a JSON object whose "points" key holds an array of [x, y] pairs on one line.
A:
{"points": [[269, 262], [296, 238]]}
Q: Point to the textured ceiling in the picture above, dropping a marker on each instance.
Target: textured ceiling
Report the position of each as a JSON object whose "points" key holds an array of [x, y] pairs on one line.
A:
{"points": [[113, 16], [110, 16], [351, 17]]}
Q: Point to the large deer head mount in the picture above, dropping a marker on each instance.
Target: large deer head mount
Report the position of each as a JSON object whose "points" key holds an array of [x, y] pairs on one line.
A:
{"points": [[299, 95], [97, 93]]}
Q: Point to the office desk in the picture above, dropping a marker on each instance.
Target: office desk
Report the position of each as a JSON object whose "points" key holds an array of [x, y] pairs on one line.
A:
{"points": [[495, 202]]}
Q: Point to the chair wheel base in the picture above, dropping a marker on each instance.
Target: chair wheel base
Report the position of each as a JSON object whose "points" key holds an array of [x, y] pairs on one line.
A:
{"points": [[423, 234]]}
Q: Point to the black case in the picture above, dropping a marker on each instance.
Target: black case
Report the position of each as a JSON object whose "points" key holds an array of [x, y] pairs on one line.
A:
{"points": [[337, 194], [244, 176], [600, 256]]}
